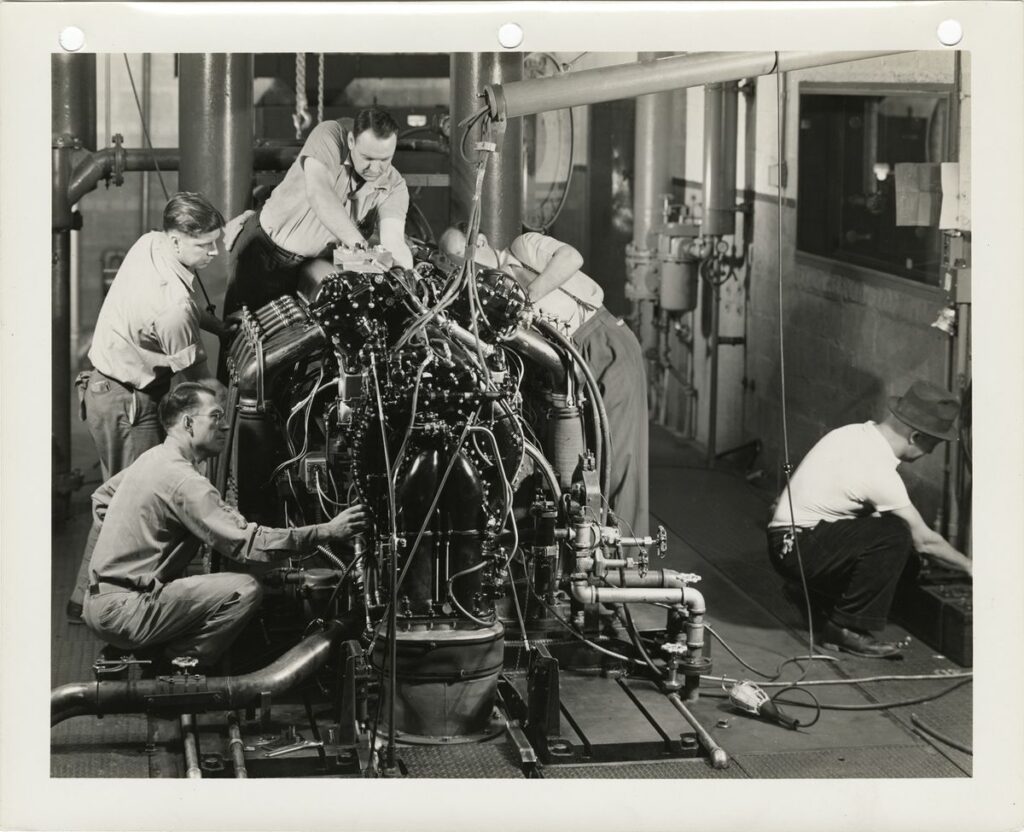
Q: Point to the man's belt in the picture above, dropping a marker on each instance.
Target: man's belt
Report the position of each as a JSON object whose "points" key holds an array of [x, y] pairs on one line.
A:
{"points": [[156, 389], [100, 587]]}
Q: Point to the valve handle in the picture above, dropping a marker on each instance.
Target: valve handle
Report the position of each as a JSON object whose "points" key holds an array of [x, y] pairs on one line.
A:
{"points": [[662, 541]]}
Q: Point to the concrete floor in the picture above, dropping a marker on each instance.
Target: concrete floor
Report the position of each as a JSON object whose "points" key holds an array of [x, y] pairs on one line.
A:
{"points": [[715, 521]]}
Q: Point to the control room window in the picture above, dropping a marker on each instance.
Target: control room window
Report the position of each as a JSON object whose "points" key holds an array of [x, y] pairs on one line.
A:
{"points": [[849, 146]]}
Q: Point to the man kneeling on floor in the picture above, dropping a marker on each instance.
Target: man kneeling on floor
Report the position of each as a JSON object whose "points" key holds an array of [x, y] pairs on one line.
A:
{"points": [[852, 520], [154, 516]]}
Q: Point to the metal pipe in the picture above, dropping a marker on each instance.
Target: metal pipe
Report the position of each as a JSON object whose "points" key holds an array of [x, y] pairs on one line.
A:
{"points": [[651, 175], [188, 741], [532, 346], [713, 382], [205, 694], [719, 758], [501, 200], [147, 84], [603, 432], [60, 346], [542, 463], [215, 135], [236, 746], [592, 86], [73, 96], [721, 104]]}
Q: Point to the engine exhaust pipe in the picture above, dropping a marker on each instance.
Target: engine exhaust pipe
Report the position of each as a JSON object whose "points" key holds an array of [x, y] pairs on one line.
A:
{"points": [[196, 694]]}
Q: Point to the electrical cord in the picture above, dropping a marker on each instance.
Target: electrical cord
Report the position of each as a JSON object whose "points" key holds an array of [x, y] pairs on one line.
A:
{"points": [[928, 731], [145, 127], [778, 670]]}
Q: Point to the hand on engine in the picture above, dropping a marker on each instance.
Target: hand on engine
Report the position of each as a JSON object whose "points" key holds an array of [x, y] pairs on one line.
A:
{"points": [[348, 523]]}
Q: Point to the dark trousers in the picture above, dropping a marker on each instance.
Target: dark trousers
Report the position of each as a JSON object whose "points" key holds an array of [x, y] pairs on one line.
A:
{"points": [[264, 271], [852, 566], [617, 361]]}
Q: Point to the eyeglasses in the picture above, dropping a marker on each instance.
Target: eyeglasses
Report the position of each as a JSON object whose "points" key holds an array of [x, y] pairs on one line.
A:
{"points": [[216, 416]]}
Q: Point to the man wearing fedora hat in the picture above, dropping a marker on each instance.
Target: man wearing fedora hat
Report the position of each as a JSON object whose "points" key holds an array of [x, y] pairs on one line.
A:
{"points": [[846, 522]]}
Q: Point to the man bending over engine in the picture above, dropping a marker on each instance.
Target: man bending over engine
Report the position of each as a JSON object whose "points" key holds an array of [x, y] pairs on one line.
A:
{"points": [[853, 525], [153, 517], [549, 271], [340, 187]]}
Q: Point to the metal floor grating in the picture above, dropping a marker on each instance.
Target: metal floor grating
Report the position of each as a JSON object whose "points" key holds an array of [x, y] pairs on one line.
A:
{"points": [[880, 761], [472, 760], [667, 770]]}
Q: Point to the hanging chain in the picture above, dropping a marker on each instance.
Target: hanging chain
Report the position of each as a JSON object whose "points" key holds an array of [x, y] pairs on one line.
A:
{"points": [[320, 89], [302, 119]]}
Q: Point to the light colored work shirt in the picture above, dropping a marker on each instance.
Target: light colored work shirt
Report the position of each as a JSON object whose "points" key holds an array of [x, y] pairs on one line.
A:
{"points": [[850, 472], [155, 514], [148, 326], [575, 301], [289, 219]]}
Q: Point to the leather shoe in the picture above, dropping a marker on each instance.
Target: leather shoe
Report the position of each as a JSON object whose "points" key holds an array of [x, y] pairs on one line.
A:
{"points": [[74, 613], [834, 637]]}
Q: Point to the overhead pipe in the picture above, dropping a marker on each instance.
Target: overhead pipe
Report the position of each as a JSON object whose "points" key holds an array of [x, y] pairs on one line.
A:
{"points": [[502, 197], [196, 694], [593, 86]]}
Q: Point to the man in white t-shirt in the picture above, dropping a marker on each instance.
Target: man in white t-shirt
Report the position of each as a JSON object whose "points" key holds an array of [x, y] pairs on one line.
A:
{"points": [[550, 272], [848, 520]]}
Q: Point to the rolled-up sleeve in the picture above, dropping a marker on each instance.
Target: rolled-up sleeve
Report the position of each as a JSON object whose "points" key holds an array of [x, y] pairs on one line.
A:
{"points": [[202, 510], [396, 205], [178, 333], [325, 144]]}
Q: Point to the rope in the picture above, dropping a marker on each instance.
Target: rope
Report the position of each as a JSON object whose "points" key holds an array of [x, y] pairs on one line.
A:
{"points": [[302, 118], [320, 88]]}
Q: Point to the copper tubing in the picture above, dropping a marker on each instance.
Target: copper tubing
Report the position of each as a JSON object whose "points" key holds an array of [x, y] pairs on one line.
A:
{"points": [[204, 693]]}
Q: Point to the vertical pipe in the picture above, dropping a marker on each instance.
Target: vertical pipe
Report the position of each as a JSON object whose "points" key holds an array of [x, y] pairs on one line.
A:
{"points": [[73, 96], [721, 102], [191, 748], [652, 179], [720, 118], [713, 390], [215, 136], [60, 341], [501, 199], [236, 746], [73, 121], [147, 84]]}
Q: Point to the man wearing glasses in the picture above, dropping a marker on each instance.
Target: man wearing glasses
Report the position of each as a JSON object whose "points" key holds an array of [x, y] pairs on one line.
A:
{"points": [[152, 519]]}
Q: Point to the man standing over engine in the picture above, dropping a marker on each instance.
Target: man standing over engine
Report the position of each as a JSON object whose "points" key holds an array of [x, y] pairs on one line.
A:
{"points": [[148, 330], [549, 271], [340, 188], [153, 517], [852, 525]]}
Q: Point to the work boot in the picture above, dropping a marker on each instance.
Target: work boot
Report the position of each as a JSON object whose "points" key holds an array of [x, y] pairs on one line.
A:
{"points": [[835, 637]]}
